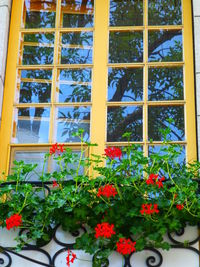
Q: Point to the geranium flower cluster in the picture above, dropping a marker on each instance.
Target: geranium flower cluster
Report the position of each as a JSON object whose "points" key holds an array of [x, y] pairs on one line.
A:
{"points": [[107, 191], [55, 184], [104, 230], [113, 152], [153, 179], [56, 149], [70, 253], [13, 221], [179, 206], [125, 246], [149, 209]]}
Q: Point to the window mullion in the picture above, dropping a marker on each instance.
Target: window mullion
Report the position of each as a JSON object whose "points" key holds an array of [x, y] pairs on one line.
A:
{"points": [[145, 107], [190, 124], [54, 78], [99, 85]]}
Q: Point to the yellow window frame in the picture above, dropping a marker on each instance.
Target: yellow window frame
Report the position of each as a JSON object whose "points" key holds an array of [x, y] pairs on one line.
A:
{"points": [[100, 75]]}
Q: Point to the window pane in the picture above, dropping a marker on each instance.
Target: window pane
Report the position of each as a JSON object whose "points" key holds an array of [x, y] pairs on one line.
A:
{"points": [[31, 125], [125, 47], [39, 14], [165, 45], [74, 85], [72, 167], [124, 119], [126, 13], [77, 13], [158, 118], [30, 157], [163, 150], [125, 84], [35, 86], [77, 48], [165, 84], [165, 12], [38, 49], [69, 121]]}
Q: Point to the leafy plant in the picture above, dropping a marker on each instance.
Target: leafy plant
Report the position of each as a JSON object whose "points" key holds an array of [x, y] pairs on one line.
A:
{"points": [[127, 204]]}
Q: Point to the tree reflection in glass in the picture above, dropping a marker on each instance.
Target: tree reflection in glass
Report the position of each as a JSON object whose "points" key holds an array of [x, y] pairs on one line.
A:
{"points": [[74, 85], [39, 14], [35, 86], [77, 13], [126, 13], [38, 49], [165, 84], [165, 45], [125, 47], [158, 118], [69, 121], [124, 119], [77, 48], [125, 84], [162, 12]]}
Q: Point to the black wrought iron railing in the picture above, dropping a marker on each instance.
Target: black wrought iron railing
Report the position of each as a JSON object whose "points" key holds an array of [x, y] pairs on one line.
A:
{"points": [[154, 260]]}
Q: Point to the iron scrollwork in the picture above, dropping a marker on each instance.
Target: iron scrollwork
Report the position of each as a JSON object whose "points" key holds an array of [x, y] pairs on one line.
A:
{"points": [[154, 260]]}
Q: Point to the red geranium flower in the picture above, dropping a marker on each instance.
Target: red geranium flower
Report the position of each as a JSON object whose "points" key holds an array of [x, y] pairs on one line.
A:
{"points": [[153, 179], [107, 191], [56, 148], [104, 230], [159, 182], [149, 209], [14, 221], [125, 246], [70, 253], [55, 184], [113, 152], [179, 206]]}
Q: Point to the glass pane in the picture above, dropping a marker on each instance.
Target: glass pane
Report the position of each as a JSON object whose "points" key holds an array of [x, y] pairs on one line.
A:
{"points": [[124, 119], [30, 157], [158, 119], [77, 48], [165, 84], [74, 85], [165, 12], [69, 121], [163, 150], [35, 86], [38, 49], [125, 47], [31, 125], [126, 13], [165, 45], [77, 13], [72, 167], [39, 14], [125, 84]]}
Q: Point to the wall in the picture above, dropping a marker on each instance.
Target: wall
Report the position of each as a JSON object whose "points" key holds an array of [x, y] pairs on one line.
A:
{"points": [[196, 13], [176, 257], [5, 7]]}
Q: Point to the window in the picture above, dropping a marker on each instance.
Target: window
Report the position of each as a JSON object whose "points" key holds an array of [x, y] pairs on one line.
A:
{"points": [[105, 66]]}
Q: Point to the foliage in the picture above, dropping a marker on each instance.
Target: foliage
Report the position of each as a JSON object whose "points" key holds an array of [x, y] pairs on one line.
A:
{"points": [[127, 204]]}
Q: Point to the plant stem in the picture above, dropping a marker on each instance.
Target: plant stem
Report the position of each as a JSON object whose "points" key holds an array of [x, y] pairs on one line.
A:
{"points": [[171, 177], [24, 202]]}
